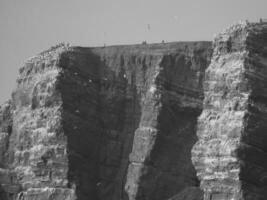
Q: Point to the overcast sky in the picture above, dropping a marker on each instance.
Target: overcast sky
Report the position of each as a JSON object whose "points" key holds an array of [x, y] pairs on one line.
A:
{"points": [[28, 27]]}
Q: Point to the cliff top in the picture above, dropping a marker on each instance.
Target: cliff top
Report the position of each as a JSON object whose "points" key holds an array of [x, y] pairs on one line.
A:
{"points": [[154, 48]]}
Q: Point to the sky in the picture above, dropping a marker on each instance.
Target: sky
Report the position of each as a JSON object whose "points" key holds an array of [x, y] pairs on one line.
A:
{"points": [[28, 27]]}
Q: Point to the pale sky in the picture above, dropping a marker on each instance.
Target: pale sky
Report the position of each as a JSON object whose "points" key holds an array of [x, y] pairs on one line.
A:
{"points": [[28, 27]]}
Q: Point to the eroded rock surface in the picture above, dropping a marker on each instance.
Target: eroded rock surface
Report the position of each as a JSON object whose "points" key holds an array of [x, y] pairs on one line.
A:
{"points": [[103, 123], [120, 122], [230, 156], [159, 165]]}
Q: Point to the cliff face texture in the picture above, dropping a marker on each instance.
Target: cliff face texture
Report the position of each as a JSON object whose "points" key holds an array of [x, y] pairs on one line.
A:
{"points": [[230, 156], [129, 122], [111, 123]]}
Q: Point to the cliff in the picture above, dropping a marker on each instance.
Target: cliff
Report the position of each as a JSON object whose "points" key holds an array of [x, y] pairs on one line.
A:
{"points": [[230, 156], [173, 121], [104, 123]]}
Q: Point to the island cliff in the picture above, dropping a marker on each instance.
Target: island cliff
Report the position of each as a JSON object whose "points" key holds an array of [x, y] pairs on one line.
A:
{"points": [[230, 156], [121, 122]]}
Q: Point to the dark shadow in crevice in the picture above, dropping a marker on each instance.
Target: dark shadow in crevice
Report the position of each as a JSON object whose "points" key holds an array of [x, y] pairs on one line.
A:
{"points": [[100, 114]]}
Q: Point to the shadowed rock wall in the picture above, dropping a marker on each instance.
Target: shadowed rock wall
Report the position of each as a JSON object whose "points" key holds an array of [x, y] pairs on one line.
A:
{"points": [[160, 161], [103, 123]]}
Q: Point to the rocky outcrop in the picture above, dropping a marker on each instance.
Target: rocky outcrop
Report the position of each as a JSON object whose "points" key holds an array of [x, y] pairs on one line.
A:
{"points": [[121, 122], [230, 156], [104, 123], [38, 143], [160, 164]]}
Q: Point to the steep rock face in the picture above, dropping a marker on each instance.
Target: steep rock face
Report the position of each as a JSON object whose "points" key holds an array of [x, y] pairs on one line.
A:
{"points": [[105, 123], [189, 193], [230, 156], [159, 165], [38, 145], [119, 123], [8, 187]]}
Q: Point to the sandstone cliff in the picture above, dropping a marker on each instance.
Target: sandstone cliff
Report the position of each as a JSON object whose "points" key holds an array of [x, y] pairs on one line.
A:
{"points": [[104, 123], [121, 122], [230, 156]]}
